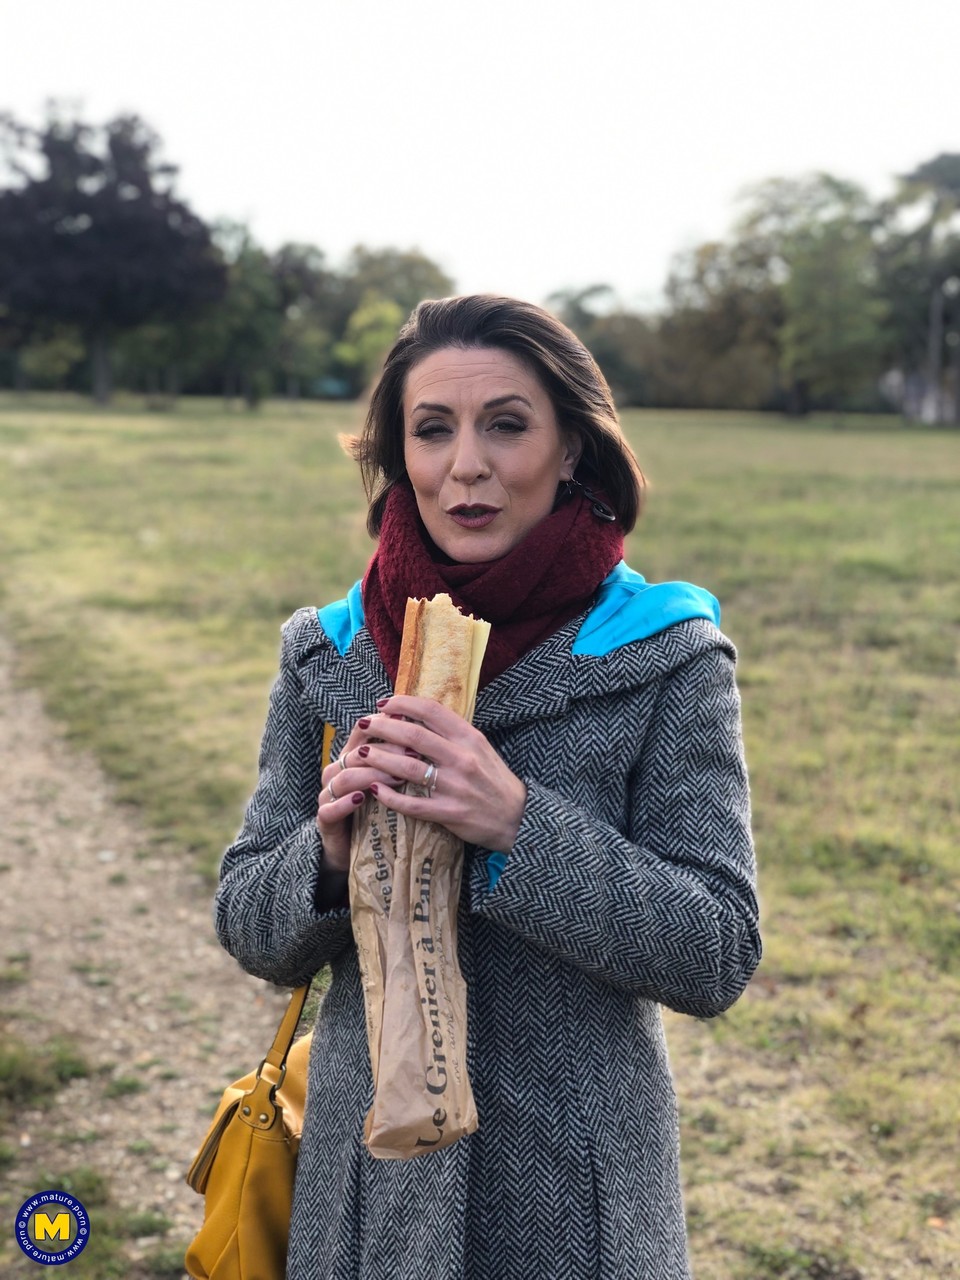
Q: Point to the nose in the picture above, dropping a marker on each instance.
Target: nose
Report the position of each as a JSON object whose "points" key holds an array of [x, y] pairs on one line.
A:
{"points": [[469, 462]]}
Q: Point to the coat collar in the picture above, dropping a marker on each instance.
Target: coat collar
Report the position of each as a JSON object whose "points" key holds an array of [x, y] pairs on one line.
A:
{"points": [[541, 685]]}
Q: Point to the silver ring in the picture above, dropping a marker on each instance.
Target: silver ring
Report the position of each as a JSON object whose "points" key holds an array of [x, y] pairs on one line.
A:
{"points": [[341, 761], [333, 795], [430, 778]]}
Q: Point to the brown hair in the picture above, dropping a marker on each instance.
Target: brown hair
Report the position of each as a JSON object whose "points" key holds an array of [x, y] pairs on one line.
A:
{"points": [[570, 375]]}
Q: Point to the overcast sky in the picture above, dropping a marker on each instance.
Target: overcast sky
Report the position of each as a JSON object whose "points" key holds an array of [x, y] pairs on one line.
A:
{"points": [[526, 146]]}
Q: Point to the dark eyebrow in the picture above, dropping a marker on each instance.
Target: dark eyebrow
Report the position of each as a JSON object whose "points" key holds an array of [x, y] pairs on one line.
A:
{"points": [[500, 400], [490, 404]]}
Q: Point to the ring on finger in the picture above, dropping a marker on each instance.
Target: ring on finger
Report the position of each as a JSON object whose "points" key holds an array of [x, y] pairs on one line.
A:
{"points": [[430, 778], [342, 760], [333, 795]]}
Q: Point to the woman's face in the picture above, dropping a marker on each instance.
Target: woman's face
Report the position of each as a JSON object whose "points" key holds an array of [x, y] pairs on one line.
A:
{"points": [[483, 450]]}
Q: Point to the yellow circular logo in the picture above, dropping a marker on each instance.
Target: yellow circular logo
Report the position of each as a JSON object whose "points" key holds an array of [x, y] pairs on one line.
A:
{"points": [[52, 1228]]}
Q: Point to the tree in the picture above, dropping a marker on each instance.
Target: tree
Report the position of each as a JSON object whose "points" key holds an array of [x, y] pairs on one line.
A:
{"points": [[936, 185], [369, 334], [832, 337], [403, 276], [336, 325], [301, 275], [579, 309], [243, 334], [626, 346], [310, 299], [720, 339], [16, 332], [622, 343], [920, 256], [159, 356], [92, 235], [47, 362], [305, 349]]}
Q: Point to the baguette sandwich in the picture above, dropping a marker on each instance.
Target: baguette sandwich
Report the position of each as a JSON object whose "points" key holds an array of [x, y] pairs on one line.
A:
{"points": [[441, 653]]}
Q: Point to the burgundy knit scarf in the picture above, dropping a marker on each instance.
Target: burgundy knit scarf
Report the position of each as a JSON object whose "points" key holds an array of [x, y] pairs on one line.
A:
{"points": [[529, 593]]}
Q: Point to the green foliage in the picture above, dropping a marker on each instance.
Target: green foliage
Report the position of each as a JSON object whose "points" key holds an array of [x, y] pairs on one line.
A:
{"points": [[832, 337], [800, 1263], [306, 348], [936, 182], [92, 236], [820, 297], [165, 1262], [719, 340], [97, 253], [89, 1185], [370, 331], [818, 293], [30, 1074], [123, 1086], [107, 1254], [243, 334], [144, 1224], [46, 363], [624, 345], [403, 276]]}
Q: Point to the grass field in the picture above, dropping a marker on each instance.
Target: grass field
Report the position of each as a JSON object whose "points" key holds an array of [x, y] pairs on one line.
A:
{"points": [[148, 560]]}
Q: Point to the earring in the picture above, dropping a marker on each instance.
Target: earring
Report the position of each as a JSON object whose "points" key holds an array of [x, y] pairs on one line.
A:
{"points": [[599, 508]]}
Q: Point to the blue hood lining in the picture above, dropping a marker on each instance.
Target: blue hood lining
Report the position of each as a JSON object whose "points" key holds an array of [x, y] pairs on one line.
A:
{"points": [[627, 608]]}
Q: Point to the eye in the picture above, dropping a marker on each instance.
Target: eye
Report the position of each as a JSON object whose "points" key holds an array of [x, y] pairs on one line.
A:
{"points": [[508, 426], [430, 430]]}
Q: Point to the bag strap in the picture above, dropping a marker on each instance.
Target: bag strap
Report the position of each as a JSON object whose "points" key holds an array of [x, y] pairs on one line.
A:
{"points": [[274, 1066], [276, 1059]]}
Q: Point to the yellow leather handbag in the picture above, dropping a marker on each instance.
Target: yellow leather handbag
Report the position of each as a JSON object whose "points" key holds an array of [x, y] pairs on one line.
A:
{"points": [[246, 1164]]}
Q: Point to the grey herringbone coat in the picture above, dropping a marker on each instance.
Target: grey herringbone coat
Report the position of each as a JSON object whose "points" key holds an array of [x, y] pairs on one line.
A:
{"points": [[631, 885]]}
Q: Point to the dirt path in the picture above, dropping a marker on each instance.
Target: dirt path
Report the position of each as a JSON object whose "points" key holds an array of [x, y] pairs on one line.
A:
{"points": [[106, 944]]}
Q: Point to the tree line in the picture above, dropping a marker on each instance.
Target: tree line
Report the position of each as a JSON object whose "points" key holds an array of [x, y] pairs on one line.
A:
{"points": [[819, 298], [107, 276]]}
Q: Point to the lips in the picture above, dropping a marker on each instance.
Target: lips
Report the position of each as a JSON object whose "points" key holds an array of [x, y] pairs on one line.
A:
{"points": [[475, 515]]}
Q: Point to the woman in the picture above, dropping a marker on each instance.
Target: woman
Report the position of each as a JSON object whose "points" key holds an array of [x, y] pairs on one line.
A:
{"points": [[601, 794]]}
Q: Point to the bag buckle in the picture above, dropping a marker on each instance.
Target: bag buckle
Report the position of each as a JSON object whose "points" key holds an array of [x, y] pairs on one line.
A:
{"points": [[274, 1084]]}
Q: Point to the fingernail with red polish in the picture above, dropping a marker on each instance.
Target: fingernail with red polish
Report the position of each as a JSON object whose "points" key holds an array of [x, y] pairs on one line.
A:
{"points": [[363, 752], [357, 797], [383, 702], [409, 751], [374, 789], [392, 716], [363, 724]]}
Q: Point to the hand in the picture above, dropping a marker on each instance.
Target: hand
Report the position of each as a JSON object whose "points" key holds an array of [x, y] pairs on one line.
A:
{"points": [[345, 782], [475, 795]]}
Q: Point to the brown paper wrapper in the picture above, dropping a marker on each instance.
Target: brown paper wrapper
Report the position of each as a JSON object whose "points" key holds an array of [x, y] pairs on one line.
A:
{"points": [[372, 858], [405, 882]]}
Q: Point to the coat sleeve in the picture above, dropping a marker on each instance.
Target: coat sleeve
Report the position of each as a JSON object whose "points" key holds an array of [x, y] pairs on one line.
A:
{"points": [[667, 908], [266, 910]]}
